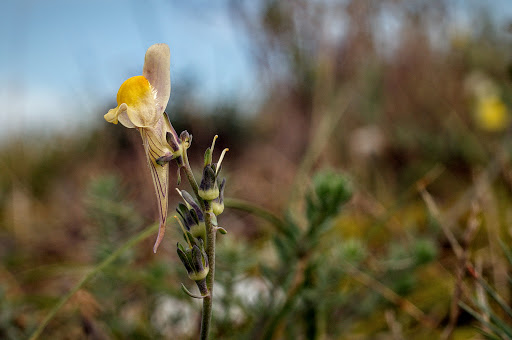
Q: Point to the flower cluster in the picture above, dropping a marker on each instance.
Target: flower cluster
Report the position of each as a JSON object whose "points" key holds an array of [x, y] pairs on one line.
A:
{"points": [[192, 213]]}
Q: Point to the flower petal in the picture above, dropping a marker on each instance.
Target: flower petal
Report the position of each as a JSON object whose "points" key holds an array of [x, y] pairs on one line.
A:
{"points": [[154, 147], [112, 115], [137, 94], [123, 116], [142, 116], [157, 70], [119, 114]]}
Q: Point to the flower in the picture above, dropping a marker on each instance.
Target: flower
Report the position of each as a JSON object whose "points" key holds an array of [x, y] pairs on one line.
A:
{"points": [[218, 203], [192, 216], [208, 189], [491, 114], [194, 258], [141, 101]]}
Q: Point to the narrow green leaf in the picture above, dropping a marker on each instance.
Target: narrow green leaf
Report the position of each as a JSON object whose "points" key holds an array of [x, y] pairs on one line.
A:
{"points": [[186, 291], [503, 304], [481, 319], [507, 251], [500, 323]]}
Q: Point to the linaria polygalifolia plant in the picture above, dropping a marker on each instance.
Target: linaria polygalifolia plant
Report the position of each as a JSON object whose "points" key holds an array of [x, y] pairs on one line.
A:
{"points": [[141, 103]]}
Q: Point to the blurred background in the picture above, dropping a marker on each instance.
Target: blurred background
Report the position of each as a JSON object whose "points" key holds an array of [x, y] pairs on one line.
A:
{"points": [[408, 101]]}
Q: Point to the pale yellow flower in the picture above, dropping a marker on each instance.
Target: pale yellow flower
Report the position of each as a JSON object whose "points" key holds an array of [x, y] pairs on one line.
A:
{"points": [[141, 102], [491, 114]]}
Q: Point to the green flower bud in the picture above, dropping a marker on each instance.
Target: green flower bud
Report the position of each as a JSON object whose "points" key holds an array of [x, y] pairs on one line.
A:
{"points": [[194, 259], [218, 203], [208, 190], [193, 219]]}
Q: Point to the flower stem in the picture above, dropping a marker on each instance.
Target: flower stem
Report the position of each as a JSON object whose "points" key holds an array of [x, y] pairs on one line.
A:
{"points": [[190, 177], [210, 252], [210, 249]]}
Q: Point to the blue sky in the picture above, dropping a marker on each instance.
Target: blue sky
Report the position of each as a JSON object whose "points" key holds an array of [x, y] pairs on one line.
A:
{"points": [[62, 61]]}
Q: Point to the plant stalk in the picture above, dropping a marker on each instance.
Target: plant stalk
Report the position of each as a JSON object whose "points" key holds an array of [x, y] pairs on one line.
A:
{"points": [[210, 252], [190, 177], [210, 249]]}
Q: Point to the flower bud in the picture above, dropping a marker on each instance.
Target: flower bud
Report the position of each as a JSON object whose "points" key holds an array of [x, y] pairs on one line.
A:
{"points": [[186, 138], [208, 190], [193, 220], [194, 259], [173, 141], [191, 203], [218, 203]]}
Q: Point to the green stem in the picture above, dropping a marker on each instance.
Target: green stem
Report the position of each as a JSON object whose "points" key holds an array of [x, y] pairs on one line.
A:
{"points": [[190, 177], [211, 233], [129, 244], [210, 249]]}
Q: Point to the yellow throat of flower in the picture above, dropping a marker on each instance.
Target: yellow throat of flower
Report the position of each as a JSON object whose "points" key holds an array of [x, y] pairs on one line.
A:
{"points": [[134, 91], [136, 104]]}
